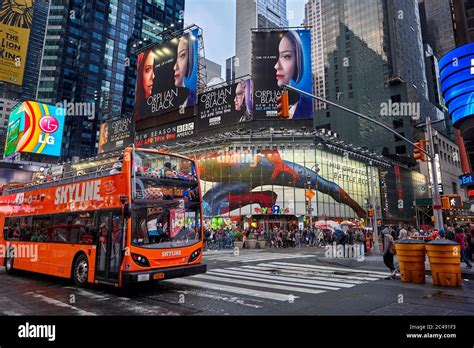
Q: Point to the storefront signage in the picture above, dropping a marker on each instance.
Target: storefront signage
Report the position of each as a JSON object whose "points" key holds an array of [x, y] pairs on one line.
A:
{"points": [[274, 210]]}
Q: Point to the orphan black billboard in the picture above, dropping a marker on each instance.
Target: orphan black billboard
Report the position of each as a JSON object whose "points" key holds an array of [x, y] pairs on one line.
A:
{"points": [[225, 106], [167, 77], [281, 58]]}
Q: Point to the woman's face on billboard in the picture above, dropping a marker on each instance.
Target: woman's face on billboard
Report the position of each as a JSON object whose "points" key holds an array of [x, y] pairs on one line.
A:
{"points": [[286, 65], [181, 65], [148, 74], [239, 96]]}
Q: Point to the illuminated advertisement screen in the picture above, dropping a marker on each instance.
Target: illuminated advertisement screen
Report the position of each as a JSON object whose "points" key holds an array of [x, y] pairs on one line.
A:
{"points": [[281, 58], [115, 135], [15, 21], [167, 77], [225, 106], [255, 182], [35, 128], [457, 81]]}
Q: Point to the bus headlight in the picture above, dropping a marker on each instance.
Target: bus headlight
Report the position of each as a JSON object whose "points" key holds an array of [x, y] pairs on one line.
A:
{"points": [[195, 254], [140, 260]]}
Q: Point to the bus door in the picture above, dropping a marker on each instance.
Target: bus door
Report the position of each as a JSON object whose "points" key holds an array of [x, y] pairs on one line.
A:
{"points": [[109, 246]]}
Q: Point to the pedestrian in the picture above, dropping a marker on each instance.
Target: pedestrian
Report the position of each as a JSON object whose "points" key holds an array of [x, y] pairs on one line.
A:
{"points": [[388, 254], [459, 238]]}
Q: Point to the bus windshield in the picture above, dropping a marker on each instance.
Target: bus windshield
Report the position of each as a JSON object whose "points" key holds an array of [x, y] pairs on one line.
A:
{"points": [[166, 210]]}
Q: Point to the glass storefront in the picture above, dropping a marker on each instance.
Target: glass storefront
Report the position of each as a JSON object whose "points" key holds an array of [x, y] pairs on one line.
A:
{"points": [[256, 180]]}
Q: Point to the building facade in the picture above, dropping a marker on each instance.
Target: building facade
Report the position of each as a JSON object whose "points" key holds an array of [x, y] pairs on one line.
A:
{"points": [[88, 59], [369, 56], [253, 14]]}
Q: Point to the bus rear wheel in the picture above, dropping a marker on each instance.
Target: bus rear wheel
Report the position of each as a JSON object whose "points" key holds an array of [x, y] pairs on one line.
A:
{"points": [[81, 271]]}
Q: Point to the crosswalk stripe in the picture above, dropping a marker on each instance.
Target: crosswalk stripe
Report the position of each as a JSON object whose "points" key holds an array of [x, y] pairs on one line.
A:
{"points": [[262, 274], [322, 273], [254, 277], [233, 289], [268, 269], [58, 303], [328, 268], [258, 284], [253, 257]]}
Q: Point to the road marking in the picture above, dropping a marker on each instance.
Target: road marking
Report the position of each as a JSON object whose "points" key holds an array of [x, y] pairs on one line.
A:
{"points": [[57, 303], [257, 284], [215, 296], [254, 277], [233, 289], [255, 258], [320, 275], [265, 275], [332, 269], [88, 294]]}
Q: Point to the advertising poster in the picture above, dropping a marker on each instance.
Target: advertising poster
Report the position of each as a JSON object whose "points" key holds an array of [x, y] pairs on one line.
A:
{"points": [[15, 22], [279, 58], [165, 133], [225, 106], [167, 77], [177, 217], [116, 135], [35, 128], [256, 182]]}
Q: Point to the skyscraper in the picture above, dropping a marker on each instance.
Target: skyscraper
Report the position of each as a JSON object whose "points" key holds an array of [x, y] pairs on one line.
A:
{"points": [[254, 14], [87, 58], [368, 56]]}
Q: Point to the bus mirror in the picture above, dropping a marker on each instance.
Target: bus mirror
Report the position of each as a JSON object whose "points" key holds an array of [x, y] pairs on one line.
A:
{"points": [[127, 211]]}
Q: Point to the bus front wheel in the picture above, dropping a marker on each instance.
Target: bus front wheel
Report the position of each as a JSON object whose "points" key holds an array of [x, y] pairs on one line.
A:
{"points": [[81, 271]]}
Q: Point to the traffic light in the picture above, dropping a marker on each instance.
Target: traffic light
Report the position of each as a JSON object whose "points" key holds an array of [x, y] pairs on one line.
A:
{"points": [[417, 153], [283, 107]]}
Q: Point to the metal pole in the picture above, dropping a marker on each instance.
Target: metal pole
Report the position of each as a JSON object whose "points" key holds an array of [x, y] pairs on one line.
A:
{"points": [[374, 208], [357, 114], [437, 212]]}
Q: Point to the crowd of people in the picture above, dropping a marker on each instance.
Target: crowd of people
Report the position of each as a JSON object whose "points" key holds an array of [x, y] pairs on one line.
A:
{"points": [[280, 238], [458, 233]]}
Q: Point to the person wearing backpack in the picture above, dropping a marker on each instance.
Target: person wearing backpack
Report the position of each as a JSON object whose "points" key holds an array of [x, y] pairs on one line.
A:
{"points": [[388, 254]]}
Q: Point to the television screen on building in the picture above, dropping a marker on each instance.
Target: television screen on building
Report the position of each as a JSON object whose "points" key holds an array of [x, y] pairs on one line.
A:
{"points": [[225, 106], [281, 58], [167, 77], [457, 82], [35, 128]]}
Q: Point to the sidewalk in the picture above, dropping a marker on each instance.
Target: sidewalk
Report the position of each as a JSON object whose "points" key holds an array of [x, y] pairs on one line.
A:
{"points": [[370, 261]]}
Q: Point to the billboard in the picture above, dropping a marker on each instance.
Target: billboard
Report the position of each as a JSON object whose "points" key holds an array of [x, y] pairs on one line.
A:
{"points": [[35, 128], [165, 133], [281, 57], [15, 21], [275, 181], [115, 135], [457, 82], [167, 77], [225, 106]]}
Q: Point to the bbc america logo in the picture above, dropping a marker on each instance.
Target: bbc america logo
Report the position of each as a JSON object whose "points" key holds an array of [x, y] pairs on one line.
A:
{"points": [[185, 127]]}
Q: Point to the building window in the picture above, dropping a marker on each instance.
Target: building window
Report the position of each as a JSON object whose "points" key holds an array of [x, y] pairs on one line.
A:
{"points": [[401, 150]]}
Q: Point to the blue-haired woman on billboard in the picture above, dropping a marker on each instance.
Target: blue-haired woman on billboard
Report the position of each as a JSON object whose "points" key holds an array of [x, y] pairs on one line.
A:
{"points": [[243, 100], [185, 68], [291, 70], [145, 80]]}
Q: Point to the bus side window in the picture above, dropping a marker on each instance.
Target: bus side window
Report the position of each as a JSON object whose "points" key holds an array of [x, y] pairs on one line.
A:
{"points": [[11, 230]]}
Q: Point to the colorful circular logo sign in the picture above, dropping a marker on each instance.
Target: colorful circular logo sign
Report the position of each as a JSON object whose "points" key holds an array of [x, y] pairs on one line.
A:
{"points": [[48, 124]]}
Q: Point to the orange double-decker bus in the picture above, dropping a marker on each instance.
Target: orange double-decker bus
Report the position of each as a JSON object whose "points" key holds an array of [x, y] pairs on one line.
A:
{"points": [[133, 216]]}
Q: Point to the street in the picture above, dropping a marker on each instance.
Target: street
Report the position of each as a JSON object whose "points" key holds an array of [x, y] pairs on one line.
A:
{"points": [[256, 282]]}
